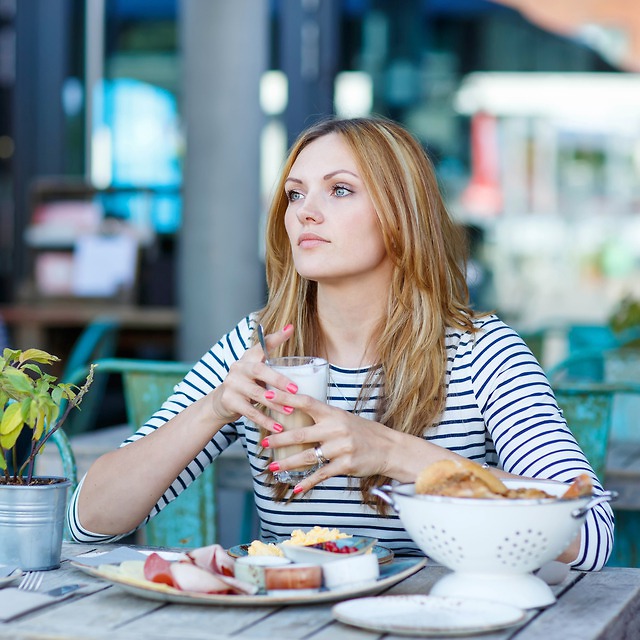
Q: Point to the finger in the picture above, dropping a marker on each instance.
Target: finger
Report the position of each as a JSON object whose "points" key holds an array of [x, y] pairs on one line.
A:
{"points": [[324, 472], [305, 459], [274, 340]]}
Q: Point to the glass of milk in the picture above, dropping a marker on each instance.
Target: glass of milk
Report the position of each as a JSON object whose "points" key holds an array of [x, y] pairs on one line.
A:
{"points": [[311, 374]]}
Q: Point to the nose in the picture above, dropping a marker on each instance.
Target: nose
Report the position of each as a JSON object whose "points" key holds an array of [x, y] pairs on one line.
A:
{"points": [[310, 210]]}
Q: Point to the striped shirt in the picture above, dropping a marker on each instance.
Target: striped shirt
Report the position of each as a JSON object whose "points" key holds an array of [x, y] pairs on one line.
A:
{"points": [[499, 408]]}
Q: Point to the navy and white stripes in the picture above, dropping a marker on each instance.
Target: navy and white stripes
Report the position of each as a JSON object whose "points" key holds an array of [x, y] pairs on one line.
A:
{"points": [[499, 408]]}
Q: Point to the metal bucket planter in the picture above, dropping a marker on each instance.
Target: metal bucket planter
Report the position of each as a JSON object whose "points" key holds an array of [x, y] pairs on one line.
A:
{"points": [[32, 524]]}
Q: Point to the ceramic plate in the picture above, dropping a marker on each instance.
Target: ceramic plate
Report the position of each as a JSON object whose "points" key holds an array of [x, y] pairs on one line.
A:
{"points": [[427, 615], [384, 555], [390, 574]]}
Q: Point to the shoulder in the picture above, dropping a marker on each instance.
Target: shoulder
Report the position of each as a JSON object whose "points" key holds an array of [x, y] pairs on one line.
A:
{"points": [[488, 331], [233, 344]]}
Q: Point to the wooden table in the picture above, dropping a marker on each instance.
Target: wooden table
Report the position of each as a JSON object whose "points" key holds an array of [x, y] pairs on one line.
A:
{"points": [[599, 605]]}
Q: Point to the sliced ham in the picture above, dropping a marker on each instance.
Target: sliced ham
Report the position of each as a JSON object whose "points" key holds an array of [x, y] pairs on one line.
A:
{"points": [[189, 577], [213, 558], [157, 569]]}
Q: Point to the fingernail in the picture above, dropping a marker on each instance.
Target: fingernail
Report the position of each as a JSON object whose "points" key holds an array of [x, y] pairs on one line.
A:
{"points": [[289, 326], [270, 395], [265, 443], [298, 489], [291, 388], [274, 466], [278, 428], [288, 410]]}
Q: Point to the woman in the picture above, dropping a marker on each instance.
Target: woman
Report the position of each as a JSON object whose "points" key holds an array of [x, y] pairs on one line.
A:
{"points": [[364, 268]]}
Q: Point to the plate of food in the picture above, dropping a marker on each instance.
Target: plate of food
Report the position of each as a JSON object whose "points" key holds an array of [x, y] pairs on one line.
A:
{"points": [[315, 540], [206, 576]]}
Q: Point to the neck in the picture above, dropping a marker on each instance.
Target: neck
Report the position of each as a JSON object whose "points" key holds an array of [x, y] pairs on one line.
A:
{"points": [[349, 320]]}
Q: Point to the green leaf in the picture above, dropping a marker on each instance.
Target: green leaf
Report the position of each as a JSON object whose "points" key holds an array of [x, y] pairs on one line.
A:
{"points": [[37, 355], [11, 425], [11, 419], [20, 381], [25, 410], [57, 395], [11, 355], [38, 428], [33, 367]]}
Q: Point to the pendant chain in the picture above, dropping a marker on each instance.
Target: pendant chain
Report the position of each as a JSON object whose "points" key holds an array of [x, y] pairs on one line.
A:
{"points": [[352, 409]]}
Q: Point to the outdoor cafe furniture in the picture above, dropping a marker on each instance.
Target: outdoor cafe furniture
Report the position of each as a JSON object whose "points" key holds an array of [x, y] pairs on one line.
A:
{"points": [[601, 605]]}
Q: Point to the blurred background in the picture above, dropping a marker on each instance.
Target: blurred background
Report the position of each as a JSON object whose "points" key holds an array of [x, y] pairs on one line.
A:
{"points": [[140, 139]]}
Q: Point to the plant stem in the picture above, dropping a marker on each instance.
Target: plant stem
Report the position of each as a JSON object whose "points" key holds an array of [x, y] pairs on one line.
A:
{"points": [[36, 446]]}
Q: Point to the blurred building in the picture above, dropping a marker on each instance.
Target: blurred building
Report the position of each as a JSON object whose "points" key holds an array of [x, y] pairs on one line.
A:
{"points": [[165, 122]]}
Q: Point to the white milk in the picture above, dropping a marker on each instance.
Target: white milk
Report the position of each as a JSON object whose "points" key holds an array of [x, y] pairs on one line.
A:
{"points": [[311, 376]]}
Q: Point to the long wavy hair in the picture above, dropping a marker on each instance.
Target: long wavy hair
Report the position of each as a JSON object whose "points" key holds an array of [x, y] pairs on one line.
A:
{"points": [[428, 291]]}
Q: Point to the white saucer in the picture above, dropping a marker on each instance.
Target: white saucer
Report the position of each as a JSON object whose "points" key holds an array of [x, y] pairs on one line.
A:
{"points": [[427, 615]]}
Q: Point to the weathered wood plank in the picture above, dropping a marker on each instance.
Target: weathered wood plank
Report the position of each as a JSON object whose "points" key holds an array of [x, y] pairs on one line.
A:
{"points": [[600, 605]]}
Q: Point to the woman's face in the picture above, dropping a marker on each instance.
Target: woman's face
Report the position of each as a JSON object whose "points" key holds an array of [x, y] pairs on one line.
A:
{"points": [[332, 226]]}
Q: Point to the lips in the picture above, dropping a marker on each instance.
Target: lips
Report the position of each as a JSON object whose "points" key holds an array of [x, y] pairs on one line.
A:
{"points": [[308, 240]]}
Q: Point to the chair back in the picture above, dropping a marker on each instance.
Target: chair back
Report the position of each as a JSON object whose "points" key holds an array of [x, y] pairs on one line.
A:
{"points": [[69, 468], [588, 409], [98, 340], [191, 519]]}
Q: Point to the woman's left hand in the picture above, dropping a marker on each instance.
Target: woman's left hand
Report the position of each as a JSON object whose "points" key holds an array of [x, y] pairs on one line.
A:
{"points": [[352, 445]]}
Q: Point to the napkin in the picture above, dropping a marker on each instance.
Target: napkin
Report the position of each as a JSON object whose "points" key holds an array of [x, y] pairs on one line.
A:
{"points": [[15, 602], [6, 570], [116, 556]]}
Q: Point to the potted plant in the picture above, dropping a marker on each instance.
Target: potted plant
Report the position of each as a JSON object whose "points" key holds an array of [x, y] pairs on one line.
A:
{"points": [[31, 507]]}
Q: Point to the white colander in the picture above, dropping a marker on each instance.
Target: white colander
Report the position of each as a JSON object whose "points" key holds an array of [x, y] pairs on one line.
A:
{"points": [[492, 546]]}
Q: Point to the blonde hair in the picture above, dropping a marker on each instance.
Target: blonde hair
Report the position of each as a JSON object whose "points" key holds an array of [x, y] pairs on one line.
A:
{"points": [[428, 290]]}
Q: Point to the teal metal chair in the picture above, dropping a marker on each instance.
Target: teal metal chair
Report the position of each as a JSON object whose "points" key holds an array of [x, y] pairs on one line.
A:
{"points": [[588, 408], [69, 468], [98, 340], [596, 405], [191, 519]]}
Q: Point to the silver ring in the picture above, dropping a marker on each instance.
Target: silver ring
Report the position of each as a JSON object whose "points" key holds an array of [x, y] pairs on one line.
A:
{"points": [[320, 456]]}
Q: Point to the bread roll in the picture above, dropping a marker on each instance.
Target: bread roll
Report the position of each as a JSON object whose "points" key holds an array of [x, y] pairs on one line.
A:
{"points": [[459, 478]]}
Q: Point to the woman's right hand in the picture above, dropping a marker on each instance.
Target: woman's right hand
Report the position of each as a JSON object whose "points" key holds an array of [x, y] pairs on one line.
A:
{"points": [[244, 386]]}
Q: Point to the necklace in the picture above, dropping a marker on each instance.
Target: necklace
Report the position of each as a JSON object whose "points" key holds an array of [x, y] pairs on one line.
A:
{"points": [[352, 403]]}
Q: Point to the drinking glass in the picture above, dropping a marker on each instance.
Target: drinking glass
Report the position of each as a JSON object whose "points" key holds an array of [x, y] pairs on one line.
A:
{"points": [[311, 375]]}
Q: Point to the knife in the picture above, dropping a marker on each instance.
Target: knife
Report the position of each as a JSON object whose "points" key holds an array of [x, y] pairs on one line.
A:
{"points": [[64, 590]]}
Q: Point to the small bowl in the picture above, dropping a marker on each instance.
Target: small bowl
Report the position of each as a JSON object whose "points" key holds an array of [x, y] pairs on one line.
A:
{"points": [[324, 552], [350, 571]]}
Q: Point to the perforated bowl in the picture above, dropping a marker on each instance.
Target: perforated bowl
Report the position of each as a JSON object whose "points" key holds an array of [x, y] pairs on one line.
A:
{"points": [[492, 546]]}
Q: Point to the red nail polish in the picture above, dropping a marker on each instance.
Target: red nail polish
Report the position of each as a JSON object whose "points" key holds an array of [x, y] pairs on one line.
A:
{"points": [[278, 428], [274, 466], [292, 388], [265, 443], [270, 395], [297, 489], [288, 410], [289, 326]]}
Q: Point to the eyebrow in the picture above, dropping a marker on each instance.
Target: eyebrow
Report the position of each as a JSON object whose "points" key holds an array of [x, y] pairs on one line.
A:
{"points": [[326, 177]]}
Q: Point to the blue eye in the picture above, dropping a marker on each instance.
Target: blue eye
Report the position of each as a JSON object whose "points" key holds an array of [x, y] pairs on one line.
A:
{"points": [[341, 191], [293, 195]]}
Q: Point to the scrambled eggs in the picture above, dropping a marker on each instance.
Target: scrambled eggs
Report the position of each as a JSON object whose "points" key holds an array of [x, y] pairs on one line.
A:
{"points": [[298, 537]]}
